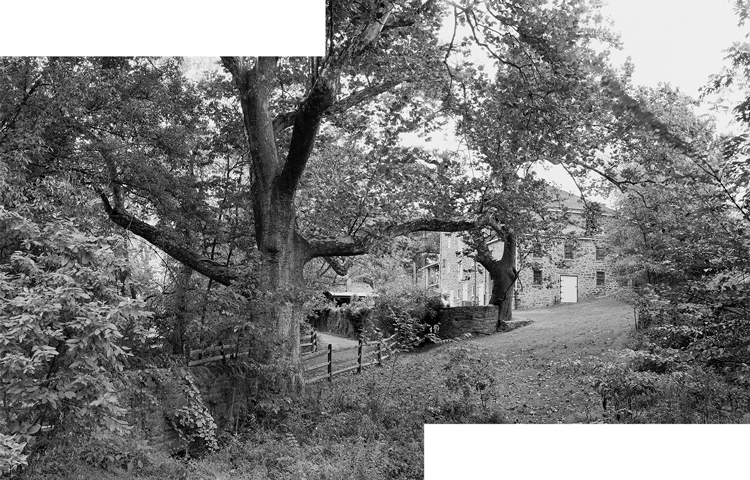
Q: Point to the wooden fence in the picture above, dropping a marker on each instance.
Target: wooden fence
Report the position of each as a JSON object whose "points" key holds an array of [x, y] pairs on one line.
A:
{"points": [[215, 353], [312, 344], [223, 353], [378, 351], [368, 353]]}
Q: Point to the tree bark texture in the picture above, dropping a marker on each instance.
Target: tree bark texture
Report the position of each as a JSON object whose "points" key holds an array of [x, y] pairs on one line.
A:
{"points": [[504, 274]]}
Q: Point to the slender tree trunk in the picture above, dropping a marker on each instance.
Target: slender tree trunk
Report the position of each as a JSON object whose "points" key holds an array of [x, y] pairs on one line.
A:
{"points": [[181, 320]]}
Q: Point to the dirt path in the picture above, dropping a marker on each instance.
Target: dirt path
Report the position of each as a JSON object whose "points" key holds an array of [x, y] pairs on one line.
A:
{"points": [[587, 328], [336, 341]]}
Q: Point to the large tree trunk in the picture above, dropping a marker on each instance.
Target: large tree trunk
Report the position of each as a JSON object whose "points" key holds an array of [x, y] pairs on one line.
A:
{"points": [[281, 277], [504, 274]]}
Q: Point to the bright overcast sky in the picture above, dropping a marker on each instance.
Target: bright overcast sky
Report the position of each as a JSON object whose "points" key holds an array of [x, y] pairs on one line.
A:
{"points": [[678, 41]]}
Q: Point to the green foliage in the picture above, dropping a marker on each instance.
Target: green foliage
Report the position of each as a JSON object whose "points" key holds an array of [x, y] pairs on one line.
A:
{"points": [[106, 456], [11, 453], [194, 422], [472, 373], [59, 328], [407, 313], [661, 387]]}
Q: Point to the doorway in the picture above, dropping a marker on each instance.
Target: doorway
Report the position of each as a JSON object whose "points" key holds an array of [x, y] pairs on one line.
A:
{"points": [[568, 289]]}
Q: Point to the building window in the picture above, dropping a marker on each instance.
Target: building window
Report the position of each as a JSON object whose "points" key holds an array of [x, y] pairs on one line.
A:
{"points": [[569, 247], [537, 276], [599, 279], [537, 250], [433, 276], [600, 255]]}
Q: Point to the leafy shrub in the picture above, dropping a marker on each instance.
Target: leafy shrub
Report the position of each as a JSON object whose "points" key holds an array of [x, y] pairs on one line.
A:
{"points": [[59, 329], [194, 422], [11, 453], [471, 373], [674, 336], [656, 388], [406, 313]]}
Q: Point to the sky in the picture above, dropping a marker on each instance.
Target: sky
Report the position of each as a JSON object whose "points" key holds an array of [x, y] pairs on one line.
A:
{"points": [[679, 41]]}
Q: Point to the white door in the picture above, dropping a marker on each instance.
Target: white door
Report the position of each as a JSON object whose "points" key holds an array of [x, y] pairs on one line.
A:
{"points": [[568, 289], [480, 295]]}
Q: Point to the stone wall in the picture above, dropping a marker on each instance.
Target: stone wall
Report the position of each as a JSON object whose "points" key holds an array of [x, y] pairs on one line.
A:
{"points": [[151, 396], [457, 321], [552, 263]]}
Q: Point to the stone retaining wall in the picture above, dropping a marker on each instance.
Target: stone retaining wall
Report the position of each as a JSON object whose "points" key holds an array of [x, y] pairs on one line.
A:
{"points": [[152, 395], [457, 321]]}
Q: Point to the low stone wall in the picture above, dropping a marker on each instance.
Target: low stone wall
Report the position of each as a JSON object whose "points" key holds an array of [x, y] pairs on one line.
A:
{"points": [[456, 321], [152, 395]]}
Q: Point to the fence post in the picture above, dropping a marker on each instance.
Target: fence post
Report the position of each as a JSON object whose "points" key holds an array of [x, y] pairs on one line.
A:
{"points": [[359, 356], [314, 341], [380, 355], [330, 363]]}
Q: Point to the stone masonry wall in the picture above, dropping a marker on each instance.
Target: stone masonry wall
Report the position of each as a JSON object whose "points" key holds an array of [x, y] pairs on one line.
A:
{"points": [[552, 263], [151, 396], [456, 321]]}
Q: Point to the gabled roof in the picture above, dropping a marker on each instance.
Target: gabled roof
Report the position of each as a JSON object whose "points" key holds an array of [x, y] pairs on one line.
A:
{"points": [[570, 201]]}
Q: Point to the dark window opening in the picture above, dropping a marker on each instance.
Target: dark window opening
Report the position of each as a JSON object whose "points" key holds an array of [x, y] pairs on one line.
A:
{"points": [[568, 251], [537, 250], [600, 253], [599, 279], [537, 277]]}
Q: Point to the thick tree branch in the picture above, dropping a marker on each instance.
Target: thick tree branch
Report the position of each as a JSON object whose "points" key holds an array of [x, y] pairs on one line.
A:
{"points": [[169, 244], [306, 124], [285, 120], [341, 268], [254, 84], [365, 94], [368, 34], [349, 245]]}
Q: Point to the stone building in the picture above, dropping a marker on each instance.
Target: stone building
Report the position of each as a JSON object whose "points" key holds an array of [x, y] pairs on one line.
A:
{"points": [[564, 269]]}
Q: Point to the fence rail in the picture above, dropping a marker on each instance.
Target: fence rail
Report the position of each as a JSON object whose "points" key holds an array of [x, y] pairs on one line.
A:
{"points": [[368, 354], [383, 349], [312, 344], [225, 352]]}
